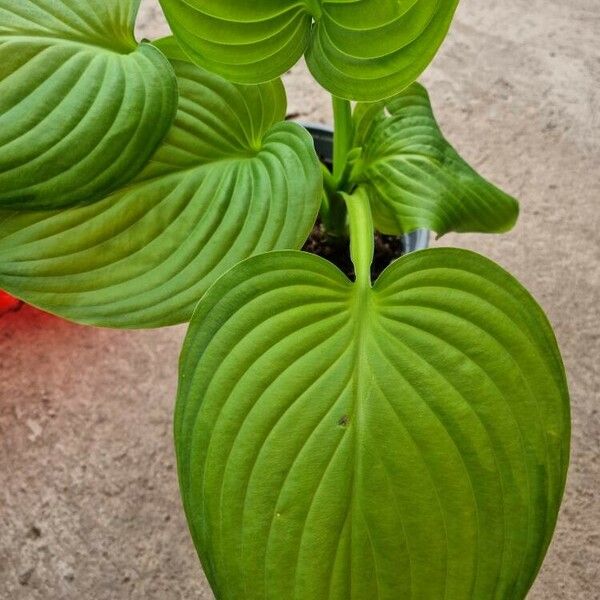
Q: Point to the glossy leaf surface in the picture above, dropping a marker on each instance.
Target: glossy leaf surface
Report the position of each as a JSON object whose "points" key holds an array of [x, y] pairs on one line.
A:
{"points": [[356, 49], [230, 180], [340, 442], [416, 179], [82, 105]]}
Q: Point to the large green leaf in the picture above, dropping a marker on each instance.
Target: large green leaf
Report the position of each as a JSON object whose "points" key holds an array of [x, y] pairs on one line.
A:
{"points": [[82, 105], [357, 49], [340, 442], [416, 179], [230, 180]]}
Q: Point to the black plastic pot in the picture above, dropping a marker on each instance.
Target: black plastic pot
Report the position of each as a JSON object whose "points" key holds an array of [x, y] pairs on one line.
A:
{"points": [[323, 138]]}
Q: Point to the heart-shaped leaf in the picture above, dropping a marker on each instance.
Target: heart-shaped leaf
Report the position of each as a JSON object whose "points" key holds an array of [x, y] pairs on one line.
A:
{"points": [[357, 49], [230, 180], [415, 179], [82, 105], [338, 441]]}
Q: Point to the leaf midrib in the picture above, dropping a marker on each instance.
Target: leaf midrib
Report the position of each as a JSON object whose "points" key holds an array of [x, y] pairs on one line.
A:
{"points": [[363, 301], [97, 44], [402, 157], [191, 170]]}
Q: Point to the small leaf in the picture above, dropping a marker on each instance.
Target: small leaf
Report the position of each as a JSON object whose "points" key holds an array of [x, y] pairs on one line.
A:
{"points": [[229, 181], [357, 49], [340, 442], [82, 105], [415, 178]]}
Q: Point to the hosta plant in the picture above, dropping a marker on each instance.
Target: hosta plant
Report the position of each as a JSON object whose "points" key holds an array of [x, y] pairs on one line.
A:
{"points": [[338, 436]]}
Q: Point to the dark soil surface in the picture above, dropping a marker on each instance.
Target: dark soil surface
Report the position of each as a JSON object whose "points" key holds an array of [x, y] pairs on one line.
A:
{"points": [[337, 250]]}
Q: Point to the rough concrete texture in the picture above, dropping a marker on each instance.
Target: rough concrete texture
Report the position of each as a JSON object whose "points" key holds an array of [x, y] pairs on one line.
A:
{"points": [[89, 507]]}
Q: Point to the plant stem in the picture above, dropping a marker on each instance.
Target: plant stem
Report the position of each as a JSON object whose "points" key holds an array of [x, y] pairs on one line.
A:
{"points": [[342, 142], [361, 236], [329, 183]]}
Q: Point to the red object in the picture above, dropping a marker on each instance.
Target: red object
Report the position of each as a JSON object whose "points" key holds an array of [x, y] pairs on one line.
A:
{"points": [[8, 303]]}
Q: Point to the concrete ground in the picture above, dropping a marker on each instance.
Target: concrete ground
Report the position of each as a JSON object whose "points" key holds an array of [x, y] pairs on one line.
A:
{"points": [[89, 507]]}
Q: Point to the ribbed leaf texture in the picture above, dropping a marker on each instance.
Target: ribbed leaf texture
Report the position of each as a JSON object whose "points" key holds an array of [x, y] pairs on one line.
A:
{"points": [[414, 177], [230, 180], [82, 105], [356, 49], [406, 441]]}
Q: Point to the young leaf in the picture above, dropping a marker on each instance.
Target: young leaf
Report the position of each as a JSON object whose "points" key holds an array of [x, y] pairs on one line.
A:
{"points": [[82, 105], [342, 442], [415, 179], [229, 181], [357, 49]]}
